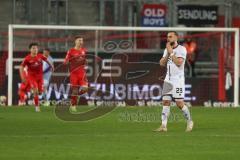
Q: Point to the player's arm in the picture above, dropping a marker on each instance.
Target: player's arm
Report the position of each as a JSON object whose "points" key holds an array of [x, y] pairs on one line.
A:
{"points": [[48, 68], [82, 59], [21, 71], [163, 61], [49, 63], [66, 60], [177, 60]]}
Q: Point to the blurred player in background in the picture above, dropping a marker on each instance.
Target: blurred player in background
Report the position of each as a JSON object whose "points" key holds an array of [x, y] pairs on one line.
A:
{"points": [[191, 47], [76, 58], [47, 73], [23, 89], [33, 62], [174, 58]]}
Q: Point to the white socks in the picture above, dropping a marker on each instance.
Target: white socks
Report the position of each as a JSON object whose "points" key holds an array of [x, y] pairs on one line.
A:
{"points": [[186, 113], [165, 114]]}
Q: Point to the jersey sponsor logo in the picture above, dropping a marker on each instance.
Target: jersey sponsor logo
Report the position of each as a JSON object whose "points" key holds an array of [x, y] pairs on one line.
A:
{"points": [[35, 64]]}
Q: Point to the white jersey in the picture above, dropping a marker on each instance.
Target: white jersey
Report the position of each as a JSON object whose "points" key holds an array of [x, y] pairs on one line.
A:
{"points": [[174, 71], [47, 71], [175, 75]]}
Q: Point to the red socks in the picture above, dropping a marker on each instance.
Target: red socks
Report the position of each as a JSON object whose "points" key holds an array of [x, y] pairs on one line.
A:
{"points": [[21, 96], [74, 100], [36, 100]]}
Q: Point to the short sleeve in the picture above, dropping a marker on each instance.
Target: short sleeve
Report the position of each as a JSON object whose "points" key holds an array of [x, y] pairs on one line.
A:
{"points": [[24, 62], [84, 52], [182, 53], [51, 59], [165, 53], [43, 57], [67, 56]]}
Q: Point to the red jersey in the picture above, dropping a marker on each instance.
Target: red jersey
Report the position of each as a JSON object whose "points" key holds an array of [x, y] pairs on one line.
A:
{"points": [[25, 74], [34, 65], [77, 60]]}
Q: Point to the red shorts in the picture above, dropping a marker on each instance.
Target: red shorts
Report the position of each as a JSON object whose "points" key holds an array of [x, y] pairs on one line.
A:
{"points": [[79, 79], [25, 86], [36, 82]]}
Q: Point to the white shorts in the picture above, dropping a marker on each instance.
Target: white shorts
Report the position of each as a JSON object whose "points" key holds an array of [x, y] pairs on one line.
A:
{"points": [[46, 79], [178, 88], [45, 82]]}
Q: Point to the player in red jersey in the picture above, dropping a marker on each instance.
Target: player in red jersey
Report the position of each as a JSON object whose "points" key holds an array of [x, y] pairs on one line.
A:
{"points": [[76, 58], [33, 62], [23, 89]]}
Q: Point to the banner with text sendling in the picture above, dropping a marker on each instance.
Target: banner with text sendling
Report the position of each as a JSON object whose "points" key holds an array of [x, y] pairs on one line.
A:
{"points": [[197, 15]]}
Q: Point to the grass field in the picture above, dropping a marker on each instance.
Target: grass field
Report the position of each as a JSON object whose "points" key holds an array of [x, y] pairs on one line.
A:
{"points": [[125, 133]]}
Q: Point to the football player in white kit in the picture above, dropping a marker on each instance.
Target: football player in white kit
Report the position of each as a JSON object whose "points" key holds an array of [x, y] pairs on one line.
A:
{"points": [[47, 73], [174, 59]]}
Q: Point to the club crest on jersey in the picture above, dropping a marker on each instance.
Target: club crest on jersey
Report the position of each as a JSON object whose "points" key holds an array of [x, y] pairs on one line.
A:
{"points": [[36, 64]]}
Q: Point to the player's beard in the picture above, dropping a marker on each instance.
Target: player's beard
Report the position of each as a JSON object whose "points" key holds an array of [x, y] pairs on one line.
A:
{"points": [[172, 44]]}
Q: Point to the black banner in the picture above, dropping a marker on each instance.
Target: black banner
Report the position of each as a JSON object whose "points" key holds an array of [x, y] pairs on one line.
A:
{"points": [[197, 15]]}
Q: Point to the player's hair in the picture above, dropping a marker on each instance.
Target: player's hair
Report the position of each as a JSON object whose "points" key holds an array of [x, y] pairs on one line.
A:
{"points": [[78, 36], [176, 34], [46, 49], [32, 44]]}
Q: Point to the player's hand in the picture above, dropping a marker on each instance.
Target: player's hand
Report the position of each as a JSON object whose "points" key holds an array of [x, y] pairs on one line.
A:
{"points": [[81, 60], [169, 48], [52, 68], [65, 62], [23, 80]]}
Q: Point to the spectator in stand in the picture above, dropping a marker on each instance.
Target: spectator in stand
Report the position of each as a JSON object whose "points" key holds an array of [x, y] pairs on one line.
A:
{"points": [[191, 47]]}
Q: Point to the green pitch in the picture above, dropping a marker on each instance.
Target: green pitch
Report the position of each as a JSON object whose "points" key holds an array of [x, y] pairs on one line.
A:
{"points": [[125, 133]]}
